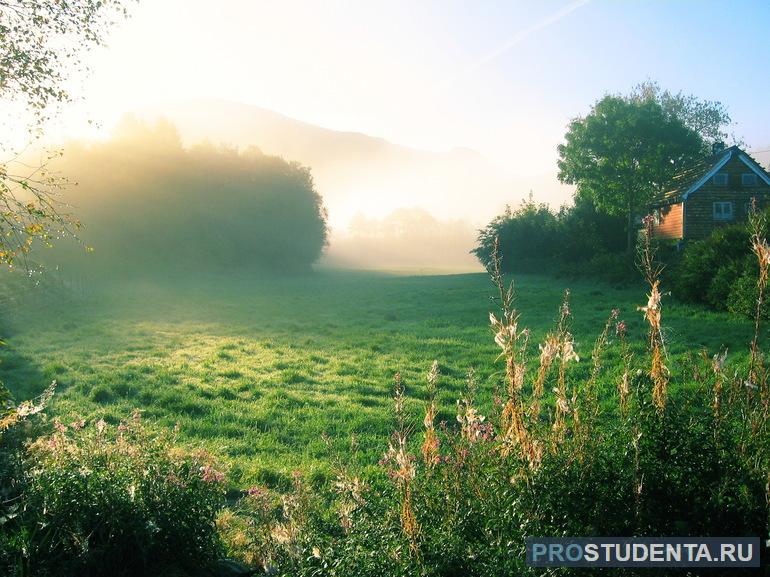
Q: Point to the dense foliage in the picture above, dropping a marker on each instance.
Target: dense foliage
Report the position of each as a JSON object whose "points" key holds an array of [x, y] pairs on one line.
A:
{"points": [[576, 240], [96, 499], [152, 206], [719, 271], [616, 158]]}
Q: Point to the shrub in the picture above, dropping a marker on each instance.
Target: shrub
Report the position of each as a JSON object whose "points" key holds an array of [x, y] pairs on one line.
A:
{"points": [[707, 267], [742, 297], [614, 268], [104, 500], [721, 271], [577, 241], [586, 232], [527, 236]]}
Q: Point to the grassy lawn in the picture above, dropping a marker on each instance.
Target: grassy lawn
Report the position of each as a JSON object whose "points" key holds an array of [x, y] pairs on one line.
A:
{"points": [[257, 371]]}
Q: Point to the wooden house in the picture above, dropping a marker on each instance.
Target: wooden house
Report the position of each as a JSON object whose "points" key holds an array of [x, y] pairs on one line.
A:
{"points": [[713, 193]]}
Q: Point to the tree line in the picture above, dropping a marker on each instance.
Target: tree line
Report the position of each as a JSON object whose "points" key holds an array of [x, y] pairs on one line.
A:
{"points": [[151, 205], [619, 156]]}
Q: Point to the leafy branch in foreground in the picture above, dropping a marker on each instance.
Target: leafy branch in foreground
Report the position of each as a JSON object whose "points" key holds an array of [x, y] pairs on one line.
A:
{"points": [[41, 47], [31, 210]]}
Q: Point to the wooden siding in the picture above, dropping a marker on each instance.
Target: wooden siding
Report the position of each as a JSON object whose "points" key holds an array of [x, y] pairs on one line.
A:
{"points": [[670, 224], [699, 210]]}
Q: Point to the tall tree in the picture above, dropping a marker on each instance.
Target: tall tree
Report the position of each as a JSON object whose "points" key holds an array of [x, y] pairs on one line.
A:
{"points": [[624, 152], [42, 43], [709, 118]]}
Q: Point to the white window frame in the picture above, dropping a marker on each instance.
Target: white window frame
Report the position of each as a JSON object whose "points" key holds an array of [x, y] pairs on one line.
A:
{"points": [[720, 214], [752, 178], [721, 179]]}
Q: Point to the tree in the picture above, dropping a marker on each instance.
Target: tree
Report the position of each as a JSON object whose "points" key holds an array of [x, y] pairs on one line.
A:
{"points": [[624, 152], [41, 45], [527, 234], [708, 118]]}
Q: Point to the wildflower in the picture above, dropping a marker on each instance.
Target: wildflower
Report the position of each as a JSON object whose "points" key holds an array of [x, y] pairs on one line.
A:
{"points": [[256, 492], [718, 362], [749, 385], [762, 250], [470, 420], [211, 475], [624, 388], [59, 426], [430, 448], [652, 310], [486, 432], [77, 425], [404, 468], [100, 426], [621, 329], [281, 534], [548, 351], [29, 408], [568, 350], [561, 402]]}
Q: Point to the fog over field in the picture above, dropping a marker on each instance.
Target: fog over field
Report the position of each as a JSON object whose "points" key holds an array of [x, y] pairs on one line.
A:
{"points": [[389, 205]]}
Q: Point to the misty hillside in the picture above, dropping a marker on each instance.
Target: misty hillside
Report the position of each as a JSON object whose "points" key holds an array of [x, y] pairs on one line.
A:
{"points": [[355, 172]]}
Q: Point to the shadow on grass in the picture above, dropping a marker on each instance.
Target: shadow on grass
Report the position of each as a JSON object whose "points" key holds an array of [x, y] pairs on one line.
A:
{"points": [[22, 375]]}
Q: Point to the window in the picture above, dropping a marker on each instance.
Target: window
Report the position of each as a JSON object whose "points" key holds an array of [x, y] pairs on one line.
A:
{"points": [[723, 210], [720, 179], [748, 179]]}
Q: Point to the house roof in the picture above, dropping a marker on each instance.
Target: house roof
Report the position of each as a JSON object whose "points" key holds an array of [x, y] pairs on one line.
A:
{"points": [[692, 178]]}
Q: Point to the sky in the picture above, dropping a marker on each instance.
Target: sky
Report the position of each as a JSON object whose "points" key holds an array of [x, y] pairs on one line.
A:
{"points": [[500, 77]]}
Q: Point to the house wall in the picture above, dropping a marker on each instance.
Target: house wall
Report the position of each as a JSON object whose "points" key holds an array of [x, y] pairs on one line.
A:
{"points": [[699, 211], [670, 224]]}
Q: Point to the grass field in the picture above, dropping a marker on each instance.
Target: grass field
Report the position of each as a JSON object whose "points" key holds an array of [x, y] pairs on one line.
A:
{"points": [[259, 370]]}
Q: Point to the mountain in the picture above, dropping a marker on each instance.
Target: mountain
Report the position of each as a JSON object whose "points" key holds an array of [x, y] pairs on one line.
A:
{"points": [[355, 172]]}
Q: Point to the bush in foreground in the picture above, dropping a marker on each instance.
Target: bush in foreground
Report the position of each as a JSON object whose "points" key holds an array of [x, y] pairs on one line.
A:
{"points": [[96, 499]]}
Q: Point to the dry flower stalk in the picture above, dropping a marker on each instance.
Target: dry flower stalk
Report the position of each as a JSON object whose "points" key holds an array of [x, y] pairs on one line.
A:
{"points": [[659, 372]]}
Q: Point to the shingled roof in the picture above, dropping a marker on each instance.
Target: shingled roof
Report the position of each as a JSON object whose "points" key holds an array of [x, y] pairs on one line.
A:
{"points": [[692, 178]]}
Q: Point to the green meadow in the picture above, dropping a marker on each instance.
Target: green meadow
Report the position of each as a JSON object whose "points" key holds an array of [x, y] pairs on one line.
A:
{"points": [[295, 373]]}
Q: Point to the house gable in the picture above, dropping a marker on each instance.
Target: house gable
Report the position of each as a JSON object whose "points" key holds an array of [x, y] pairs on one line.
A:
{"points": [[706, 177], [758, 170], [698, 203], [729, 154]]}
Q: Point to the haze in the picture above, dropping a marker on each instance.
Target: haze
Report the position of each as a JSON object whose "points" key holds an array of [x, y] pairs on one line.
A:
{"points": [[446, 110]]}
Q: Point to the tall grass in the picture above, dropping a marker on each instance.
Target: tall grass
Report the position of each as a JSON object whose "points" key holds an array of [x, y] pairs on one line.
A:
{"points": [[558, 455]]}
